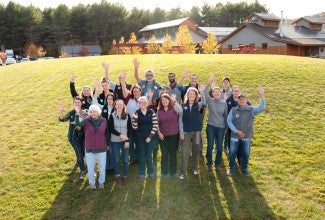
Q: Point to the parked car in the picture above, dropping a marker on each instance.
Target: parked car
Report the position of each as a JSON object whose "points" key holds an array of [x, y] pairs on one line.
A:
{"points": [[10, 60], [24, 60]]}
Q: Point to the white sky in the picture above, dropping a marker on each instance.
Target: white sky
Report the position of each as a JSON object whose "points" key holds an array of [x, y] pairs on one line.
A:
{"points": [[291, 8]]}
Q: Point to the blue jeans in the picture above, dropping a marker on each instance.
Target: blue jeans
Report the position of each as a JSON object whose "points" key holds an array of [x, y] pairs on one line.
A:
{"points": [[91, 161], [116, 148], [214, 136], [244, 145], [144, 156], [132, 148], [78, 146]]}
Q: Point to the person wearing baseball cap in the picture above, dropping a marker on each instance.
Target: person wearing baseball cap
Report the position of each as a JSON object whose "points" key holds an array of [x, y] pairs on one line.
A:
{"points": [[240, 121]]}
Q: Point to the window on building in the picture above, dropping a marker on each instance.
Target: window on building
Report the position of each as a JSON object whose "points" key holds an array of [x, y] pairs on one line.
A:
{"points": [[229, 46], [264, 46]]}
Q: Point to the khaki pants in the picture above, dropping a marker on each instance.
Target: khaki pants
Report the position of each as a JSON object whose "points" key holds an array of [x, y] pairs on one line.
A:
{"points": [[190, 139]]}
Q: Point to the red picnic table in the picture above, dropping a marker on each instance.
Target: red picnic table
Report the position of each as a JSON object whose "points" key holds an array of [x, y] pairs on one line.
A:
{"points": [[245, 48]]}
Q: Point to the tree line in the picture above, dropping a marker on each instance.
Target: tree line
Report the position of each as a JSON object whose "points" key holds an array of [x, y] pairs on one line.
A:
{"points": [[101, 23]]}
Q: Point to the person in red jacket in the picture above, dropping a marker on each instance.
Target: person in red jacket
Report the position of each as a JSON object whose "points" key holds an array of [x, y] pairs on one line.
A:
{"points": [[96, 143]]}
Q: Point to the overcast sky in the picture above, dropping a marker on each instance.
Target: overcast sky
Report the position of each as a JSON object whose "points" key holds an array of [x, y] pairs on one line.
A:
{"points": [[290, 8]]}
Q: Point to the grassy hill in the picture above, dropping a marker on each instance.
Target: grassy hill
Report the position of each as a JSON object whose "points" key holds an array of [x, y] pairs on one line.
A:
{"points": [[37, 179]]}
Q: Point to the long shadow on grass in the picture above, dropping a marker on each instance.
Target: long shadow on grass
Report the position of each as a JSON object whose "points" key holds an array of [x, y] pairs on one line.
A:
{"points": [[74, 200], [244, 200]]}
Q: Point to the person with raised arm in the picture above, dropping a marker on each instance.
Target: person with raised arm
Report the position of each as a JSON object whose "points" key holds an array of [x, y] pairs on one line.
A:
{"points": [[149, 83], [75, 133], [216, 125], [86, 93], [240, 121]]}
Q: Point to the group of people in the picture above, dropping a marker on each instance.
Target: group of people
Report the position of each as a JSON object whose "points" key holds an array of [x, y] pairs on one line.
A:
{"points": [[123, 123]]}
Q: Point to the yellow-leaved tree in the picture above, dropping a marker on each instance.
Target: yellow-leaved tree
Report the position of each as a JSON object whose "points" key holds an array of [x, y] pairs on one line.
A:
{"points": [[184, 40], [133, 44], [152, 47], [210, 45], [167, 44], [114, 48]]}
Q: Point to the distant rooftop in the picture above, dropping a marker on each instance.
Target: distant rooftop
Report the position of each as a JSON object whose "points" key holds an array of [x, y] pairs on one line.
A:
{"points": [[165, 24]]}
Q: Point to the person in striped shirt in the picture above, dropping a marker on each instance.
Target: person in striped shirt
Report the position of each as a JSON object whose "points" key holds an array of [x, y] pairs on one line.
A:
{"points": [[145, 124]]}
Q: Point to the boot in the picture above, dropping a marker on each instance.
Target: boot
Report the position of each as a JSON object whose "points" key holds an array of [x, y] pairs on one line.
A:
{"points": [[125, 180], [118, 180]]}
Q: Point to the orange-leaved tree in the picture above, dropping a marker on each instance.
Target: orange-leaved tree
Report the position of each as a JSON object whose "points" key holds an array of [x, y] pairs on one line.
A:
{"points": [[32, 50]]}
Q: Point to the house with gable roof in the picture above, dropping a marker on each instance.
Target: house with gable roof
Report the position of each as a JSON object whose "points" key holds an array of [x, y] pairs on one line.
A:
{"points": [[304, 37], [198, 34], [170, 27]]}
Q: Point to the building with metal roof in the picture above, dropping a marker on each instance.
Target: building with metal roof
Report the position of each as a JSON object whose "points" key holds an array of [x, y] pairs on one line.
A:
{"points": [[80, 50], [304, 37]]}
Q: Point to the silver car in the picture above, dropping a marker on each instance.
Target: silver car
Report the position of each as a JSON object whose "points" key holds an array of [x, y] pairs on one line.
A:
{"points": [[10, 60]]}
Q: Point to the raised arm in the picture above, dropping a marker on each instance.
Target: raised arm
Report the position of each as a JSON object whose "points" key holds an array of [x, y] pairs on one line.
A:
{"points": [[184, 75], [63, 117], [136, 64], [72, 86], [95, 97], [106, 70], [125, 91], [207, 87], [262, 104]]}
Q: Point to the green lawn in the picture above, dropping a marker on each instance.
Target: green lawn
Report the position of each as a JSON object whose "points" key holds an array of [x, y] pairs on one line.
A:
{"points": [[37, 180]]}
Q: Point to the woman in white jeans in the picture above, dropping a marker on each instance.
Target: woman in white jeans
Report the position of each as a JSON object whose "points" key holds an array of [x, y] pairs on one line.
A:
{"points": [[96, 143]]}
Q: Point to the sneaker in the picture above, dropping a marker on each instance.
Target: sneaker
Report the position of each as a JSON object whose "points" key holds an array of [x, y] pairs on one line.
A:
{"points": [[82, 174], [181, 177], [101, 186], [228, 172], [195, 172], [152, 176], [141, 177], [246, 172], [93, 187]]}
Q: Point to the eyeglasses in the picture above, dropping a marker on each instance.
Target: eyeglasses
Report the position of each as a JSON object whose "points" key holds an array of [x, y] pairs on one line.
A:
{"points": [[149, 75]]}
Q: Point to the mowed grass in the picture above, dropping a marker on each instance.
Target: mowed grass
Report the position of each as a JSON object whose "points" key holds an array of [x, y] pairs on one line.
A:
{"points": [[37, 180]]}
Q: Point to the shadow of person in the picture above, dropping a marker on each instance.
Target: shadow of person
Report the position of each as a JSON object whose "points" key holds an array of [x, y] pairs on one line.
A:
{"points": [[244, 200]]}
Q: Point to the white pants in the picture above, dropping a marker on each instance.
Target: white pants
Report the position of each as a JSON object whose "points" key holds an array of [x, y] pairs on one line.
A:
{"points": [[91, 161]]}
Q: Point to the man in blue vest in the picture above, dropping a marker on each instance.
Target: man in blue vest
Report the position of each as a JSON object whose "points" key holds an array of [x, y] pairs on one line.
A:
{"points": [[240, 121]]}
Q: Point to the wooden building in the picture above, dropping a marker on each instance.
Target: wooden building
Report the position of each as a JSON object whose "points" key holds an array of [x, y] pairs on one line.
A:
{"points": [[269, 35]]}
